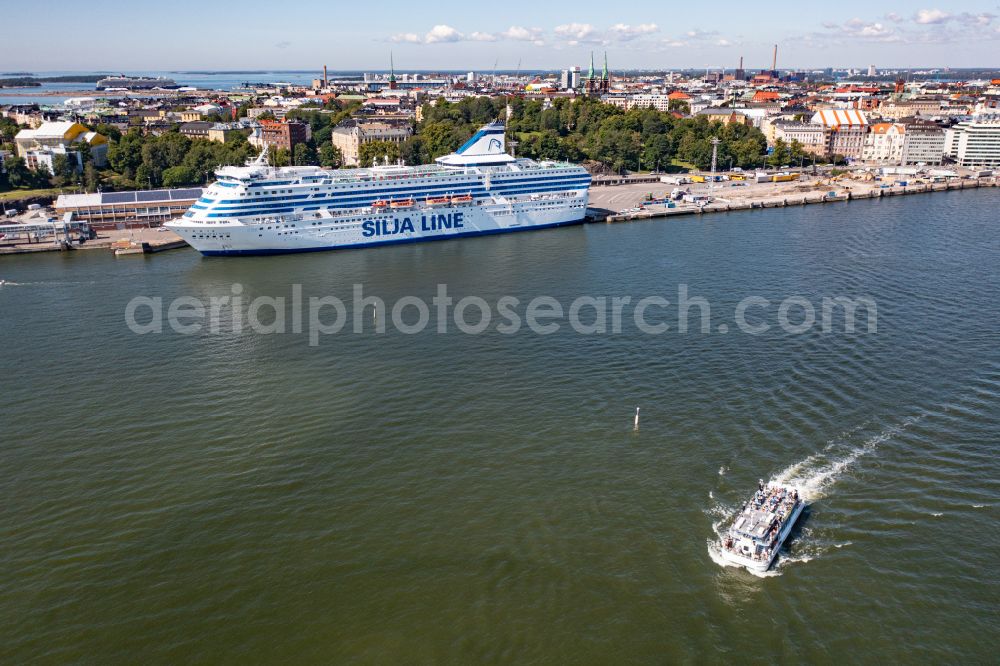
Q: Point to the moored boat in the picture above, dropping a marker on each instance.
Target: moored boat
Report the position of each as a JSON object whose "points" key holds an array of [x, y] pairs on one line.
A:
{"points": [[479, 189]]}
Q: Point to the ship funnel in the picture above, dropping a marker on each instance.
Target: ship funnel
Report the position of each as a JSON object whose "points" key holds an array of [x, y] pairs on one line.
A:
{"points": [[487, 141]]}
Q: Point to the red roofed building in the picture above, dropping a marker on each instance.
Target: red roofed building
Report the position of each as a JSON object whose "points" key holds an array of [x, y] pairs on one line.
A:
{"points": [[765, 96]]}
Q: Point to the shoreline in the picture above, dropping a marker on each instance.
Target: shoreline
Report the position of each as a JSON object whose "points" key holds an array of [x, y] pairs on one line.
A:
{"points": [[856, 191], [150, 241]]}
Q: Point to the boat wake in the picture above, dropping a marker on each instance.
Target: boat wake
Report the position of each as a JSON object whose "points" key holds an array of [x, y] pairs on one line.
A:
{"points": [[812, 477]]}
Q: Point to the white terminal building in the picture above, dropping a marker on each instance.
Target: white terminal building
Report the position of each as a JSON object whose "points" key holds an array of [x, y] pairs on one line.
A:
{"points": [[974, 144]]}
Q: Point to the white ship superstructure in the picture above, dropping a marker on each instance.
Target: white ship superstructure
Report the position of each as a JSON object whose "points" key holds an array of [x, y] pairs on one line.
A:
{"points": [[760, 529], [479, 189], [122, 82]]}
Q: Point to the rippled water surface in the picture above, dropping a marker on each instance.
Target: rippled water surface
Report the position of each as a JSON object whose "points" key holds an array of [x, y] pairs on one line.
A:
{"points": [[445, 497]]}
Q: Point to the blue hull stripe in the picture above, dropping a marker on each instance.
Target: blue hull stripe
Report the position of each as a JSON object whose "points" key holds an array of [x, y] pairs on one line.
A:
{"points": [[488, 232]]}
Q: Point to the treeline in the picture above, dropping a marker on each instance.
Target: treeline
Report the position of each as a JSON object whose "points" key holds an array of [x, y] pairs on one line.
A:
{"points": [[138, 160], [34, 81], [580, 130]]}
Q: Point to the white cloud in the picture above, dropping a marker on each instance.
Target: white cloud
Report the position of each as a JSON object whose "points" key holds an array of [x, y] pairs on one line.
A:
{"points": [[483, 37], [443, 33], [575, 31], [406, 38], [522, 34], [894, 17], [982, 19], [858, 29], [626, 32], [931, 16]]}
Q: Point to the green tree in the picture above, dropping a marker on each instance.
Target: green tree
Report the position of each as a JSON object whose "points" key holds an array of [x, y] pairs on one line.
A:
{"points": [[8, 129], [304, 155], [147, 177], [109, 131], [280, 157], [63, 170], [18, 174], [330, 156], [125, 155], [375, 152], [781, 154], [180, 176], [91, 179], [679, 105]]}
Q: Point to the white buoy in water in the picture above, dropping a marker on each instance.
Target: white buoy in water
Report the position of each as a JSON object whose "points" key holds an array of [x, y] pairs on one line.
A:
{"points": [[636, 427]]}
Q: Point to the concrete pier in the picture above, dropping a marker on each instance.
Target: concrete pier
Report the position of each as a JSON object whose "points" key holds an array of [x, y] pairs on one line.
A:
{"points": [[133, 241], [769, 195]]}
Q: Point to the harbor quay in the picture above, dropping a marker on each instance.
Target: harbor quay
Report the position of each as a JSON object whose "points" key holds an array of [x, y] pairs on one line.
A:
{"points": [[142, 240], [642, 197], [644, 200]]}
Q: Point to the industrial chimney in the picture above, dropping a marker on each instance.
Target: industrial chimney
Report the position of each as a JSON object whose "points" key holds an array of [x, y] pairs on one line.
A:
{"points": [[325, 80]]}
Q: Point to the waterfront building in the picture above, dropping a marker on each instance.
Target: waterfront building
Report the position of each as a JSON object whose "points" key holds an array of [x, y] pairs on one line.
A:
{"points": [[884, 143], [351, 134], [51, 138], [109, 210], [812, 137], [923, 143], [844, 131], [974, 144]]}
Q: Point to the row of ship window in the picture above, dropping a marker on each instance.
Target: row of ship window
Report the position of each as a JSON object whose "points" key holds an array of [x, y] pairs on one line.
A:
{"points": [[522, 187], [316, 189]]}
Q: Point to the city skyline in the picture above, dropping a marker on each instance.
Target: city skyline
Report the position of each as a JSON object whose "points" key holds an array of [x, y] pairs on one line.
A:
{"points": [[450, 35]]}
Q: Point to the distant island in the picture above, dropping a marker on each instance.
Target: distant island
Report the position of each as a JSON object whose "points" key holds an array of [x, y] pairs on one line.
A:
{"points": [[33, 82], [226, 71]]}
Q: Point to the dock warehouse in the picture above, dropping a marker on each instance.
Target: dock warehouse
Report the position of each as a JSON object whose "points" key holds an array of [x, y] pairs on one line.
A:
{"points": [[146, 208]]}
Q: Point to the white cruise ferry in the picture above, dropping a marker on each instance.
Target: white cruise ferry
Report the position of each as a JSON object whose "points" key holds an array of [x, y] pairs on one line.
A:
{"points": [[760, 529], [479, 189]]}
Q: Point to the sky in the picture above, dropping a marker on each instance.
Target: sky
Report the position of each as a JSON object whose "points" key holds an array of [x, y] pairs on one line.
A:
{"points": [[476, 35]]}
